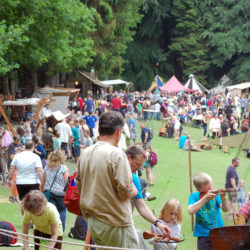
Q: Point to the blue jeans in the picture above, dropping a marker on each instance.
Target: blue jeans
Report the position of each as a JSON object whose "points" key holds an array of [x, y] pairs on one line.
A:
{"points": [[138, 115], [158, 115], [152, 115], [58, 202], [205, 130]]}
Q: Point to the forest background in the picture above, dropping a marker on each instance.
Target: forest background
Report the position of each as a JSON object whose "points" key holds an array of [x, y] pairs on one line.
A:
{"points": [[131, 39]]}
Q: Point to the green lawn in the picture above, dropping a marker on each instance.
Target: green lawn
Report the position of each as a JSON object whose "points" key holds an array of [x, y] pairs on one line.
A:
{"points": [[171, 181]]}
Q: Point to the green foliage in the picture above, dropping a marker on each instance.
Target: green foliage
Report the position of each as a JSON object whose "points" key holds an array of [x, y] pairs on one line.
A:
{"points": [[149, 46], [140, 67], [12, 39], [56, 32], [227, 34], [115, 21], [187, 46]]}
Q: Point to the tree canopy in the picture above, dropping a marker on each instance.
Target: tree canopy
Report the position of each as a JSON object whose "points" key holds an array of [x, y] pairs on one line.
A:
{"points": [[115, 21], [227, 34], [134, 39], [206, 38]]}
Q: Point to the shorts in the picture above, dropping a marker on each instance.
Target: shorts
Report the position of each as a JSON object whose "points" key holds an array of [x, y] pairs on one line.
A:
{"points": [[23, 189], [107, 235], [58, 245], [177, 126], [147, 164], [65, 146], [233, 197], [76, 151], [204, 243]]}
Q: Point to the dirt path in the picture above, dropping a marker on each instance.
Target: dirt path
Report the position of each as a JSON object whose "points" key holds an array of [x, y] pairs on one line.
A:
{"points": [[4, 199]]}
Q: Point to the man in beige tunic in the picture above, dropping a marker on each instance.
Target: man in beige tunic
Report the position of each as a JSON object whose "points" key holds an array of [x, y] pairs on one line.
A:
{"points": [[104, 181]]}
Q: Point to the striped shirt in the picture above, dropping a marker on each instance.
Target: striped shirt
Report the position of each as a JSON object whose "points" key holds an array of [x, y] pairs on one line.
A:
{"points": [[245, 210]]}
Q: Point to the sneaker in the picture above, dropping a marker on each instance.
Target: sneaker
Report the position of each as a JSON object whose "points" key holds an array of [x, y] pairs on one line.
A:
{"points": [[151, 198]]}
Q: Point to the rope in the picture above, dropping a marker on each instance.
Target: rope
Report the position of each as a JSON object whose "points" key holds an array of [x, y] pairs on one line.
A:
{"points": [[169, 178], [16, 237], [7, 232]]}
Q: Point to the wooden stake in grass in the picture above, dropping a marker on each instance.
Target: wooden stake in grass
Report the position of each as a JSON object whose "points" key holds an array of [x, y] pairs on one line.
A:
{"points": [[190, 178]]}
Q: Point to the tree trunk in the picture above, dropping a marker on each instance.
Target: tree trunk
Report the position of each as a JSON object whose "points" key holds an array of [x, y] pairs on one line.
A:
{"points": [[6, 88], [49, 74], [34, 84], [13, 86], [13, 82], [57, 78], [63, 77]]}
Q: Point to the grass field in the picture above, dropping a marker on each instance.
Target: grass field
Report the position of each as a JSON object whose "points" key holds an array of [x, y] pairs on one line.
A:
{"points": [[171, 181]]}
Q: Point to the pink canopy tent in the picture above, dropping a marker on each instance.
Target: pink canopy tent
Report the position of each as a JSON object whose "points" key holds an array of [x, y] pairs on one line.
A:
{"points": [[174, 85]]}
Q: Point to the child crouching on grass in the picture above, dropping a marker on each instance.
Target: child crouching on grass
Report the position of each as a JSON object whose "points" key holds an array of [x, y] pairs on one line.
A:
{"points": [[206, 206], [44, 217], [171, 216]]}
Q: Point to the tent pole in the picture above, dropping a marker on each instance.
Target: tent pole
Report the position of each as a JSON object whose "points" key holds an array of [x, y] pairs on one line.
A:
{"points": [[6, 118], [190, 178], [40, 105]]}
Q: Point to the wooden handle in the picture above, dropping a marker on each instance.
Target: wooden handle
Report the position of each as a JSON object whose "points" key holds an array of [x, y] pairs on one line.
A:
{"points": [[222, 190], [148, 235]]}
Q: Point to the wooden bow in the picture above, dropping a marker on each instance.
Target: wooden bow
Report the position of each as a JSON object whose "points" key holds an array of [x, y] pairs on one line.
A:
{"points": [[167, 238], [217, 191]]}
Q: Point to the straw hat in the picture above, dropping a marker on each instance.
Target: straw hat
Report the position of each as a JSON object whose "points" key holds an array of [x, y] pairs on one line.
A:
{"points": [[50, 130]]}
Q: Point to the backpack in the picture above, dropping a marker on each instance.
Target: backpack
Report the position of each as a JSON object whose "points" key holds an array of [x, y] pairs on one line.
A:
{"points": [[71, 197], [150, 134], [79, 231], [153, 159], [7, 240]]}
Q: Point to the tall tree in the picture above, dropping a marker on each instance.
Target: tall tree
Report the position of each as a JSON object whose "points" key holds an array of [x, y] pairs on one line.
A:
{"points": [[115, 20], [188, 48], [57, 33], [147, 55], [228, 36]]}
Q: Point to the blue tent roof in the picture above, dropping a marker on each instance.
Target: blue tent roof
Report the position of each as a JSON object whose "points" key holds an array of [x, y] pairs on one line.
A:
{"points": [[159, 82]]}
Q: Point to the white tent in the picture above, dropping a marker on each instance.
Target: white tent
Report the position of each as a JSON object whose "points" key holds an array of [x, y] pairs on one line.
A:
{"points": [[194, 84], [22, 102], [58, 115], [110, 83], [241, 86], [61, 95], [238, 89]]}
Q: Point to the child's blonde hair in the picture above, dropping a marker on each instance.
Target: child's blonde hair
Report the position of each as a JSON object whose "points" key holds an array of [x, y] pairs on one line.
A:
{"points": [[242, 183], [170, 206], [149, 147], [34, 201], [55, 159], [200, 179]]}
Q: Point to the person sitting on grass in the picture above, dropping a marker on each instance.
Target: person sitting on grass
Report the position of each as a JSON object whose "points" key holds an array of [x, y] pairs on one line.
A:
{"points": [[45, 219], [193, 147], [144, 184], [206, 205]]}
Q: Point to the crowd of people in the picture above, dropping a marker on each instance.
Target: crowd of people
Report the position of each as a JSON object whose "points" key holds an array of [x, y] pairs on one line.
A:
{"points": [[100, 135]]}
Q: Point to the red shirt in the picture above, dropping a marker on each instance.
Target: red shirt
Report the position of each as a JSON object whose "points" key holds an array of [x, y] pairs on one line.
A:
{"points": [[116, 103], [80, 100]]}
